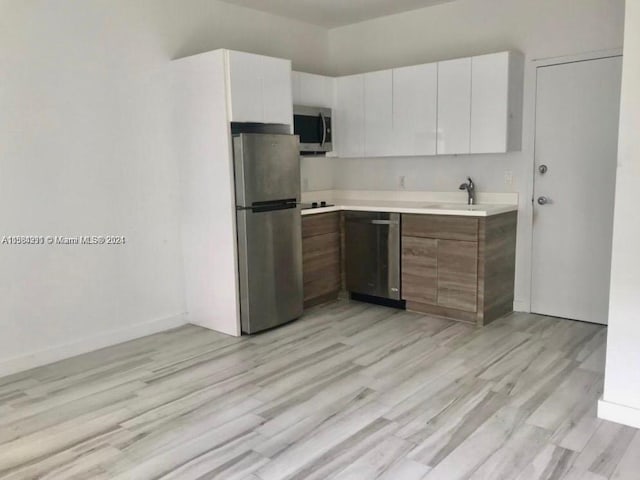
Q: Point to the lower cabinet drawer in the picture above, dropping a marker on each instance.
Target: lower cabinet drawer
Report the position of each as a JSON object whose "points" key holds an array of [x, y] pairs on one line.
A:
{"points": [[444, 227], [320, 224]]}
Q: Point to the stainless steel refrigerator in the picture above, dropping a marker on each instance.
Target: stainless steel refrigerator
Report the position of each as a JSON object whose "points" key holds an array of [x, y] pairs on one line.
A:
{"points": [[267, 178]]}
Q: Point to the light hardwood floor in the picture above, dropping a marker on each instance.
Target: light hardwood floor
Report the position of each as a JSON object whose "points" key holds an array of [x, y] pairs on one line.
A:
{"points": [[351, 391]]}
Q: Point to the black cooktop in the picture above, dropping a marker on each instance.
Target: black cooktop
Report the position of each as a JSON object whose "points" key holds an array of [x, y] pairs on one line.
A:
{"points": [[322, 204]]}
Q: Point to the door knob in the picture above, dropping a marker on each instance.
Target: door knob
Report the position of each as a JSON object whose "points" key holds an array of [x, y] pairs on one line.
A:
{"points": [[543, 169], [543, 200]]}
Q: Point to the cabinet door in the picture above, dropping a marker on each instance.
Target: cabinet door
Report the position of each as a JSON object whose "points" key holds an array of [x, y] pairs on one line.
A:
{"points": [[321, 266], [454, 106], [489, 103], [458, 274], [277, 101], [420, 270], [296, 91], [378, 113], [349, 113], [245, 87], [313, 90], [415, 109]]}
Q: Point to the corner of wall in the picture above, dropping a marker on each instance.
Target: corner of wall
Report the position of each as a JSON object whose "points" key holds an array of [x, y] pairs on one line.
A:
{"points": [[9, 366]]}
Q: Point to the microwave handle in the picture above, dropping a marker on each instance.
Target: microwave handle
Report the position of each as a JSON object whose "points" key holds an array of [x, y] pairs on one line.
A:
{"points": [[324, 129]]}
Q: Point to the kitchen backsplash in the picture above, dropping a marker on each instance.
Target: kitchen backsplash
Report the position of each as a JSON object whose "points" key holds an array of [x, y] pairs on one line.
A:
{"points": [[316, 173], [494, 173]]}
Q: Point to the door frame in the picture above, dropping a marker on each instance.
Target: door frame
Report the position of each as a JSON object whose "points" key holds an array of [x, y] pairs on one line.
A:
{"points": [[529, 137]]}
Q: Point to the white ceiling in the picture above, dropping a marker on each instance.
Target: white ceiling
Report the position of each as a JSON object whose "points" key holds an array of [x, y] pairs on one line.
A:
{"points": [[334, 13]]}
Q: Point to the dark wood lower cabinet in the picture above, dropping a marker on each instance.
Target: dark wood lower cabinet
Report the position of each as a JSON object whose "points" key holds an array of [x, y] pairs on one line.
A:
{"points": [[451, 270], [321, 247], [456, 267]]}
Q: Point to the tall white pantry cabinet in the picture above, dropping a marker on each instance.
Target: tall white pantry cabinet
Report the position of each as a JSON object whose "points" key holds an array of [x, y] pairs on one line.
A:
{"points": [[211, 90]]}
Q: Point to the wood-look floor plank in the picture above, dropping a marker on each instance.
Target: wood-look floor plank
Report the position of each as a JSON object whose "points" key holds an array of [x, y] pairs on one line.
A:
{"points": [[552, 462], [451, 427], [605, 449], [309, 449], [575, 431], [581, 389], [405, 469], [481, 444], [351, 390], [346, 452], [629, 466], [579, 474], [376, 461]]}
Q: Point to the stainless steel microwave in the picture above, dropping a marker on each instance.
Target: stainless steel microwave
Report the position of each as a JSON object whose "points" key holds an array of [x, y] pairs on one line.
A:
{"points": [[313, 126]]}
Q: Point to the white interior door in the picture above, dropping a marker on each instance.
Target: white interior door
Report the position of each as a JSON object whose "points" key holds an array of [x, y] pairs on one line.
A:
{"points": [[577, 110]]}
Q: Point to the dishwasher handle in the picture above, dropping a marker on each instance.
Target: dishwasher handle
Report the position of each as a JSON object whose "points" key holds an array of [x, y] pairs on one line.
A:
{"points": [[374, 222], [384, 222]]}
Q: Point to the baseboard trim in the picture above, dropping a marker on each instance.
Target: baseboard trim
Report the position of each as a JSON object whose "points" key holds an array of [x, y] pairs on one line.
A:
{"points": [[619, 413], [521, 306], [60, 352]]}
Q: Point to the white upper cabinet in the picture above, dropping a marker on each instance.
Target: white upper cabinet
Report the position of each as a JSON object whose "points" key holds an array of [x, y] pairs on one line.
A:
{"points": [[276, 90], [496, 102], [259, 88], [454, 106], [415, 109], [245, 85], [378, 113], [349, 116], [312, 90]]}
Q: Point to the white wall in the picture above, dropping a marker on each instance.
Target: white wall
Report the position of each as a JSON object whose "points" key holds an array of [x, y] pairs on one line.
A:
{"points": [[538, 28], [621, 399], [85, 148]]}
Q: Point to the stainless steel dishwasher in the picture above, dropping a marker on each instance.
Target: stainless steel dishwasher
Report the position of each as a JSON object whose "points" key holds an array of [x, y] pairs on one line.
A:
{"points": [[373, 253]]}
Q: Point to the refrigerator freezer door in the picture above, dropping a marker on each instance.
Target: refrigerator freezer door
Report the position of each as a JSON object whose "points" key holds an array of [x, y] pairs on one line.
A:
{"points": [[267, 168], [270, 267]]}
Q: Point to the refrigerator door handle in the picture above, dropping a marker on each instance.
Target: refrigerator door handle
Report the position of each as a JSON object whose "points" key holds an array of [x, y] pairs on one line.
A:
{"points": [[268, 207]]}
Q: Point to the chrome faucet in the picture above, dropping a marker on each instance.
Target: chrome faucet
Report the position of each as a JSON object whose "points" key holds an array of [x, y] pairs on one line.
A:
{"points": [[471, 191]]}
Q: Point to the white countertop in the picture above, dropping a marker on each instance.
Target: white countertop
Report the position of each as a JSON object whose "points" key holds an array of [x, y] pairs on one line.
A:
{"points": [[422, 207]]}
